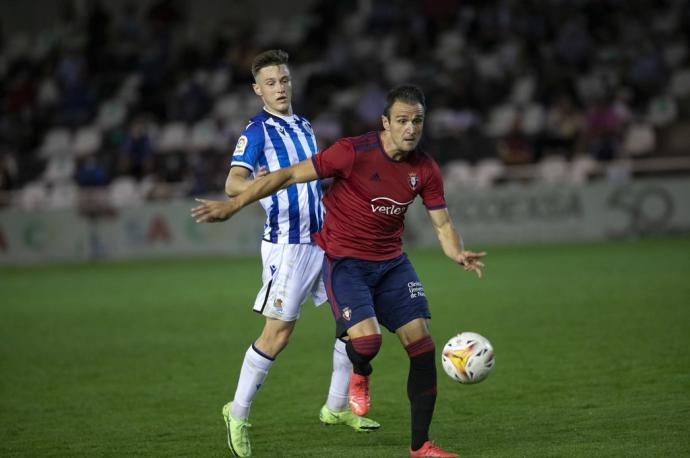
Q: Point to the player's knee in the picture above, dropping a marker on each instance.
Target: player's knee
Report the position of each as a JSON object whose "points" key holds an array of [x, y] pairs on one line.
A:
{"points": [[363, 349]]}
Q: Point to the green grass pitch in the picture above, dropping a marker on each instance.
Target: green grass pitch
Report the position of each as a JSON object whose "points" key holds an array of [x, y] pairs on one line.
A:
{"points": [[136, 359]]}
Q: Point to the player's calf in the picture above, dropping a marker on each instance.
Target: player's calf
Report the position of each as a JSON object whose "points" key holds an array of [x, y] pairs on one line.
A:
{"points": [[361, 351]]}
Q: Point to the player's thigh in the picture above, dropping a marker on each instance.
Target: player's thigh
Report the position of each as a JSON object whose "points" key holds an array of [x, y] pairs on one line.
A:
{"points": [[289, 275], [348, 292], [399, 297]]}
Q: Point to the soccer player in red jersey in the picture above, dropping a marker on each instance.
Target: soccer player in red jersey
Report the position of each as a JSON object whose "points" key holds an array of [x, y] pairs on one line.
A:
{"points": [[369, 280]]}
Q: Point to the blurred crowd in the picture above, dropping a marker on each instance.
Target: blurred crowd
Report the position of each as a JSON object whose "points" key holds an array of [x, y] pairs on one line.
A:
{"points": [[132, 98]]}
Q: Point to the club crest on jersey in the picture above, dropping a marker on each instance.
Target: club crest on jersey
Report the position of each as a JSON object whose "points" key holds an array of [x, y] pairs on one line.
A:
{"points": [[413, 180], [281, 130], [241, 144], [347, 313], [308, 128]]}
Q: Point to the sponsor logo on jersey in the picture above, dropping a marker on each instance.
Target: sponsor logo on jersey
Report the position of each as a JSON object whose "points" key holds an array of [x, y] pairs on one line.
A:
{"points": [[241, 144], [388, 206], [413, 180], [347, 313]]}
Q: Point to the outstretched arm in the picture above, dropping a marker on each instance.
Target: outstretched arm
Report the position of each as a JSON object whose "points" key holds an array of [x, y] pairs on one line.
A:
{"points": [[451, 242], [212, 211], [238, 179]]}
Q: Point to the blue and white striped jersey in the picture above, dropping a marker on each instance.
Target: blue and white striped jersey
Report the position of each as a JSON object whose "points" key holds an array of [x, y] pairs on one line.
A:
{"points": [[275, 142]]}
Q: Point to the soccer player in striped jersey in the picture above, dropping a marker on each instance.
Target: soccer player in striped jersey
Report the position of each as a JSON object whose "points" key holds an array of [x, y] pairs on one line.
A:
{"points": [[369, 279], [274, 139]]}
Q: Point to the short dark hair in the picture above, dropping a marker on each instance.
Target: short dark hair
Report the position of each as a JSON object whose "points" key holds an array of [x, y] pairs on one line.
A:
{"points": [[269, 58], [406, 93]]}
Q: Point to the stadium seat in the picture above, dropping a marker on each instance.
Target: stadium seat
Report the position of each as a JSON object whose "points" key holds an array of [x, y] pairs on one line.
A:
{"points": [[523, 90], [227, 106], [680, 83], [458, 174], [487, 172], [202, 135], [125, 192], [57, 141], [662, 110], [33, 195], [553, 170], [582, 168], [533, 119], [173, 137], [87, 140], [675, 53], [111, 113], [501, 120], [639, 139], [59, 169], [619, 171], [218, 81], [63, 195], [129, 89]]}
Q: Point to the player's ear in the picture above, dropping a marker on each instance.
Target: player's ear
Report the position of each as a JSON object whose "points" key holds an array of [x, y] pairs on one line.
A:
{"points": [[257, 89], [386, 123]]}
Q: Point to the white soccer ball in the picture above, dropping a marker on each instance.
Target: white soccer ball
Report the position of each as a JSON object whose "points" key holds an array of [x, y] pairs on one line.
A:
{"points": [[468, 357]]}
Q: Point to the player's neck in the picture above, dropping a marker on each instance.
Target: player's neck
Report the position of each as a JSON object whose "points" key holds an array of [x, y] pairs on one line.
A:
{"points": [[281, 115], [390, 149]]}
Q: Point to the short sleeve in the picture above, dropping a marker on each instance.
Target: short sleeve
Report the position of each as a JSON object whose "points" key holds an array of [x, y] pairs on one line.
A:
{"points": [[432, 191], [249, 147], [336, 160]]}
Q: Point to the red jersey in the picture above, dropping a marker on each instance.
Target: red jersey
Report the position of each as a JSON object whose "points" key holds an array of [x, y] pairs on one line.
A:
{"points": [[366, 204]]}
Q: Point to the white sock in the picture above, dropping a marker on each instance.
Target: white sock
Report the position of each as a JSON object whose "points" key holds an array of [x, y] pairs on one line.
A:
{"points": [[340, 379], [254, 371]]}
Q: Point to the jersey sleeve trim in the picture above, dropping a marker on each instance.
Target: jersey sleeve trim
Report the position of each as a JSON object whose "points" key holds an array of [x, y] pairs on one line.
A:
{"points": [[436, 207], [316, 166], [244, 165]]}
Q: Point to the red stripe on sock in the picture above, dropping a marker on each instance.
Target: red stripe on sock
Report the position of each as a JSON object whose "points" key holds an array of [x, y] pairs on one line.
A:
{"points": [[367, 345], [423, 345]]}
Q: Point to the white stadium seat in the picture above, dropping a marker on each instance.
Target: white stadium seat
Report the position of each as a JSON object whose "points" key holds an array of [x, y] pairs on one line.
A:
{"points": [[87, 140], [57, 141]]}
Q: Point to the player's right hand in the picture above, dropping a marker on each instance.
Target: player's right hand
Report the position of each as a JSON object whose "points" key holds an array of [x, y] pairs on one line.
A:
{"points": [[471, 261], [213, 211]]}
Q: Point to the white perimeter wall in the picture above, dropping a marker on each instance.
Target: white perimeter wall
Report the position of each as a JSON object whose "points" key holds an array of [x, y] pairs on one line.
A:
{"points": [[514, 214]]}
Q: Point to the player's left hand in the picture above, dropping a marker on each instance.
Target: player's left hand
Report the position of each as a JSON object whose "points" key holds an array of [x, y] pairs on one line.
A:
{"points": [[213, 211], [471, 261]]}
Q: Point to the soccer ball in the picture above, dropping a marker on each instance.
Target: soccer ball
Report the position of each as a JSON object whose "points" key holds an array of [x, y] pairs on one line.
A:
{"points": [[468, 357]]}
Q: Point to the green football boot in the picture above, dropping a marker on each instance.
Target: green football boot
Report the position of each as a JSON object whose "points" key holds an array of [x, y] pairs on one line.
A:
{"points": [[238, 433], [346, 417]]}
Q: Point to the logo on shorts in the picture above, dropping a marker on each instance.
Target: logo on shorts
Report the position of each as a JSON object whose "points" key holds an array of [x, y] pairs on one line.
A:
{"points": [[278, 305], [273, 269], [413, 180], [416, 289], [347, 313]]}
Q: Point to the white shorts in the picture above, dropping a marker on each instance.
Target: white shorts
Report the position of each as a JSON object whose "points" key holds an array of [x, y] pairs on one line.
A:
{"points": [[291, 275]]}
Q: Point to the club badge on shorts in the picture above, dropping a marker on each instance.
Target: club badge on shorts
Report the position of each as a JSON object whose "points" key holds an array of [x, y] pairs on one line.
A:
{"points": [[347, 313], [413, 180]]}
